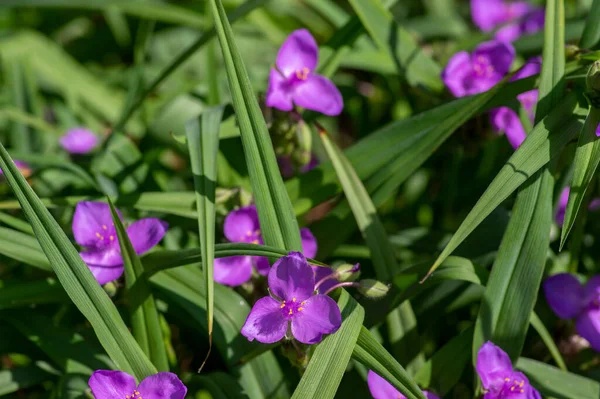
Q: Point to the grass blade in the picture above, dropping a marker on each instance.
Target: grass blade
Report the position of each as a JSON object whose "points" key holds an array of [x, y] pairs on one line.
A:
{"points": [[275, 212], [76, 278], [591, 32], [144, 315], [330, 358], [203, 143]]}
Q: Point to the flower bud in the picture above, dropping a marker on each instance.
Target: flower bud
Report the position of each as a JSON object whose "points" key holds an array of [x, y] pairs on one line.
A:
{"points": [[571, 51], [347, 272], [373, 289], [593, 77]]}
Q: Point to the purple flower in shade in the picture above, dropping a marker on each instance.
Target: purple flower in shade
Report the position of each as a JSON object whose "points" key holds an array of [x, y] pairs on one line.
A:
{"points": [[292, 282], [498, 378], [531, 23], [93, 228], [474, 73], [23, 167], [288, 170], [505, 120], [381, 389], [79, 141], [563, 200], [108, 384], [242, 225], [514, 19], [569, 299], [293, 80]]}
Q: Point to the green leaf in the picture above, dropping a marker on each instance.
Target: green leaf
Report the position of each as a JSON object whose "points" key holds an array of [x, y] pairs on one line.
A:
{"points": [[23, 294], [591, 32], [411, 62], [14, 380], [543, 143], [374, 356], [65, 348], [587, 158], [277, 219], [76, 278], [330, 358], [22, 247], [543, 332], [221, 386], [552, 382], [142, 308], [203, 143]]}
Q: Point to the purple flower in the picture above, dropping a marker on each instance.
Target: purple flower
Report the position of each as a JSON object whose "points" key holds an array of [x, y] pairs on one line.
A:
{"points": [[108, 384], [293, 80], [571, 300], [242, 225], [505, 120], [23, 167], [292, 282], [499, 379], [515, 18], [563, 200], [531, 23], [381, 389], [79, 141], [93, 228], [288, 169], [474, 73]]}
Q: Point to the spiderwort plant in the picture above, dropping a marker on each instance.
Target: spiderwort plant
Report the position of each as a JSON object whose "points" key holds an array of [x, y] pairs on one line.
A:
{"points": [[499, 379], [381, 389], [79, 140], [468, 74], [293, 81], [93, 229], [569, 299], [293, 310], [109, 384], [242, 225]]}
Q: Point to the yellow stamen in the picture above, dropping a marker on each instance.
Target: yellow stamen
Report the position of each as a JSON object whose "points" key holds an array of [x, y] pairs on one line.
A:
{"points": [[300, 309], [282, 305], [291, 312], [293, 299], [104, 227], [111, 238]]}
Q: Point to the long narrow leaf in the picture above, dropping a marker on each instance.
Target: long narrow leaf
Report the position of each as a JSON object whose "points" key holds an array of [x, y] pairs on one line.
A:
{"points": [[591, 33]]}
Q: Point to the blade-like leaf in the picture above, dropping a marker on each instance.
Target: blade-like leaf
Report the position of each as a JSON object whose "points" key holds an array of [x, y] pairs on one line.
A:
{"points": [[14, 380], [330, 359], [144, 315], [203, 143], [277, 219], [591, 32], [411, 62], [587, 158], [76, 278], [374, 356], [555, 383], [24, 294]]}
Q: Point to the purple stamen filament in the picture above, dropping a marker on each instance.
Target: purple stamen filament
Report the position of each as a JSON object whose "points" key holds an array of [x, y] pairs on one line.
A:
{"points": [[347, 284]]}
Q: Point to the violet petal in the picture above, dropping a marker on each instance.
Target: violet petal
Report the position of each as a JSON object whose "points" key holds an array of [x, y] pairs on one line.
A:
{"points": [[309, 243], [106, 274], [457, 74], [79, 141], [89, 219], [299, 51], [279, 92], [318, 94], [109, 384], [588, 326], [144, 234], [232, 270], [292, 277], [242, 225], [162, 386], [380, 388], [565, 295], [493, 366], [265, 322], [320, 315]]}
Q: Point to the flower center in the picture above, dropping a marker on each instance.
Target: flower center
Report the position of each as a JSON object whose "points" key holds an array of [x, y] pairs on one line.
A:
{"points": [[135, 395], [483, 67], [302, 74], [289, 309], [513, 386], [106, 236], [252, 237]]}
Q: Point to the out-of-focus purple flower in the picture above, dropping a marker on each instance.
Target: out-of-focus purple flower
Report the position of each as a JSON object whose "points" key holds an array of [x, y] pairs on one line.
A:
{"points": [[292, 283], [79, 141], [563, 200], [93, 228], [498, 378], [23, 167], [288, 170], [293, 80], [242, 225], [109, 384], [381, 389], [571, 300], [474, 73], [505, 120], [515, 19]]}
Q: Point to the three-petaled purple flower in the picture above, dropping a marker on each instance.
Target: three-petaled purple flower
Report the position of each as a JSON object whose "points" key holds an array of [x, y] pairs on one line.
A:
{"points": [[569, 299], [381, 389], [108, 384], [515, 19], [293, 80], [93, 228], [242, 225], [498, 378], [468, 74], [79, 140], [292, 283], [505, 119]]}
